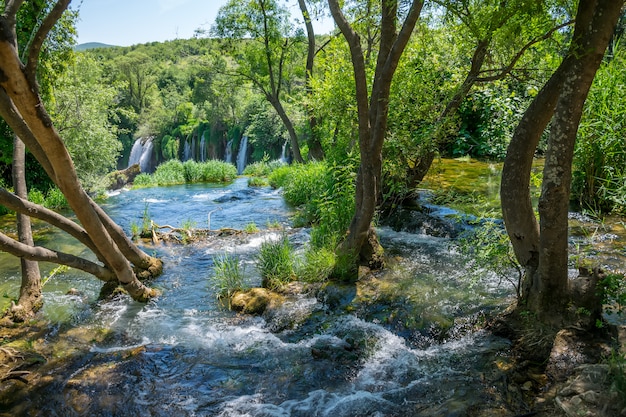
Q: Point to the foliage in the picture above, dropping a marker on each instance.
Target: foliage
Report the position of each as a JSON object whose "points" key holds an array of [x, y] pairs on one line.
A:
{"points": [[262, 168], [251, 228], [613, 290], [599, 172], [317, 265], [275, 263], [488, 117], [53, 198], [82, 112], [176, 172], [488, 245], [228, 275]]}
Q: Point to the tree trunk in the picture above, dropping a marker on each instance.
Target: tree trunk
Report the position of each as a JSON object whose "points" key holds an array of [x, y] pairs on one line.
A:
{"points": [[293, 136], [30, 299], [372, 113], [21, 107], [315, 146], [543, 251]]}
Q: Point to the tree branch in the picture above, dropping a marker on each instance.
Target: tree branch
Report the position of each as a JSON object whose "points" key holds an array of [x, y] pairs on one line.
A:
{"points": [[503, 72], [35, 47], [41, 254]]}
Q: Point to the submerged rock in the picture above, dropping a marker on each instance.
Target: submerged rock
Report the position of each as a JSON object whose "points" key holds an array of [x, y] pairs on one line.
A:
{"points": [[421, 222], [244, 194]]}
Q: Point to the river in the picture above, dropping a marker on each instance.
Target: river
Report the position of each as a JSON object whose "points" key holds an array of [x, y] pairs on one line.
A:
{"points": [[403, 342]]}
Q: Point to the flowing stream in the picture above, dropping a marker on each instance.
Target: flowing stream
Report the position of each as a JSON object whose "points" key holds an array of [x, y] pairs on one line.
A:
{"points": [[404, 342]]}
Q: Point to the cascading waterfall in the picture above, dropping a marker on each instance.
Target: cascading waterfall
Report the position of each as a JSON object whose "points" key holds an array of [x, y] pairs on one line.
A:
{"points": [[187, 152], [202, 157], [228, 153], [241, 156], [141, 154], [283, 154]]}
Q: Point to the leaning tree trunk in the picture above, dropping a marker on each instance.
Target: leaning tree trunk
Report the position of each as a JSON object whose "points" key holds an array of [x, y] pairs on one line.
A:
{"points": [[293, 136], [23, 110], [372, 111], [30, 299], [546, 289]]}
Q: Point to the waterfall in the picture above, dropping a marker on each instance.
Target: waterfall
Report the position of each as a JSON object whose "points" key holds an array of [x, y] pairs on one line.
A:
{"points": [[202, 156], [145, 162], [241, 156], [228, 153], [283, 155], [187, 152], [141, 154], [135, 153], [194, 148]]}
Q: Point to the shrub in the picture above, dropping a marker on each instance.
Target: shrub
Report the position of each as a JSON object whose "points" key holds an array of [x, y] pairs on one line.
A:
{"points": [[317, 266], [55, 199], [275, 263], [279, 176], [175, 172]]}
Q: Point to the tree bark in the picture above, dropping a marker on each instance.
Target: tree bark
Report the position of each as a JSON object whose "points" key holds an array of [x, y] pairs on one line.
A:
{"points": [[37, 253], [372, 111], [30, 299], [21, 101], [543, 250]]}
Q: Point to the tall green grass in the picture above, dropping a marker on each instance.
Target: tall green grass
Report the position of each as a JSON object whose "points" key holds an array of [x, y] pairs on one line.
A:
{"points": [[175, 172], [229, 276], [275, 263]]}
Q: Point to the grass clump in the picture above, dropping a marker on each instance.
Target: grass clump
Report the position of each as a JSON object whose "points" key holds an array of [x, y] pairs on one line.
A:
{"points": [[275, 263], [258, 182], [317, 265], [175, 172], [228, 275], [251, 228]]}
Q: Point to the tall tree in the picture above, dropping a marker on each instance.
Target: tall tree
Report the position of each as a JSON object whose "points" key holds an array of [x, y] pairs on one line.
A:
{"points": [[542, 248], [267, 52], [373, 110], [501, 36], [315, 146], [22, 108]]}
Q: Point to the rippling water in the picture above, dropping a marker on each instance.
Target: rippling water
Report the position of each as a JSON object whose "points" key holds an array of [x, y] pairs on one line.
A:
{"points": [[402, 343]]}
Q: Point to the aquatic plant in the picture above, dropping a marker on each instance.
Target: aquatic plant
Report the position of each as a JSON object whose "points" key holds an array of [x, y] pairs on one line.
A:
{"points": [[317, 265], [251, 228], [228, 275], [275, 263]]}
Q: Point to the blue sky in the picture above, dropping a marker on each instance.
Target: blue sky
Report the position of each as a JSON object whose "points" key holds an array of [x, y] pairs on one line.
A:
{"points": [[129, 22]]}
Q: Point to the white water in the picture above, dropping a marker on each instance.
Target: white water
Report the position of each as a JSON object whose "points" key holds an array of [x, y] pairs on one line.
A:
{"points": [[242, 155], [187, 152], [228, 153], [283, 154], [202, 157], [141, 153]]}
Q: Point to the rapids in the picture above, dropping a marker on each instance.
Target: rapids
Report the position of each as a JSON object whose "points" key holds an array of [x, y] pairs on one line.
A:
{"points": [[403, 342]]}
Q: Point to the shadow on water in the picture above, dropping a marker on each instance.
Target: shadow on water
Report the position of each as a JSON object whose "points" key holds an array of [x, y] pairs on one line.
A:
{"points": [[406, 341]]}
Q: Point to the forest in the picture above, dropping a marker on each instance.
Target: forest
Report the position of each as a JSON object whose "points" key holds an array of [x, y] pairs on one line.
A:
{"points": [[348, 138]]}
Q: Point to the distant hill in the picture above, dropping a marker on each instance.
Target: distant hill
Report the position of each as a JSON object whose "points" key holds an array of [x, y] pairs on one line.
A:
{"points": [[92, 45]]}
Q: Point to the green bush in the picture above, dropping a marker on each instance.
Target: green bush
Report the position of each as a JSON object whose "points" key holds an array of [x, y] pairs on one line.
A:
{"points": [[599, 169], [279, 176], [175, 172], [55, 199], [275, 263], [317, 265]]}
